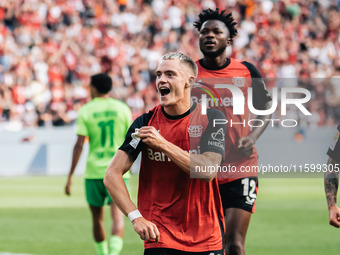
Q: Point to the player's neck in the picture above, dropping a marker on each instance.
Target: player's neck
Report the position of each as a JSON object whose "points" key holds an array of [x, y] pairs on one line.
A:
{"points": [[100, 96], [215, 63], [178, 109]]}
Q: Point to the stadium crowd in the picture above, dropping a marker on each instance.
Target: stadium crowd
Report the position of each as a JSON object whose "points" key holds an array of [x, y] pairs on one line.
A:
{"points": [[50, 48]]}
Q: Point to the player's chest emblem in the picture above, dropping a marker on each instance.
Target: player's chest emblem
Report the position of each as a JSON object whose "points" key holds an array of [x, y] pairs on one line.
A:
{"points": [[195, 131], [239, 81]]}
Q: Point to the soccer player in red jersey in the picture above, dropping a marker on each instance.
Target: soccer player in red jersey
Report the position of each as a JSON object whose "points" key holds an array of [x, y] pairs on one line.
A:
{"points": [[238, 188], [332, 180], [176, 214]]}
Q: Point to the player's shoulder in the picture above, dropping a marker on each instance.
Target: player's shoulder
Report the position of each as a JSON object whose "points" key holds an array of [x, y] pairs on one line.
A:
{"points": [[213, 113], [118, 103], [84, 109], [250, 66], [143, 119]]}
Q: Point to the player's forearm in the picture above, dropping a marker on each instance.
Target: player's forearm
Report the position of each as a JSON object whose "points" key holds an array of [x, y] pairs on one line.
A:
{"points": [[190, 162], [117, 189], [115, 184], [77, 150], [256, 132], [331, 182]]}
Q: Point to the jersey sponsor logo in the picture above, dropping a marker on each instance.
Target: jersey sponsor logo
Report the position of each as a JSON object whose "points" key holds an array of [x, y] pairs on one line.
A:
{"points": [[335, 140], [218, 139], [104, 114], [135, 138], [161, 157], [239, 81], [218, 136], [213, 101], [195, 131]]}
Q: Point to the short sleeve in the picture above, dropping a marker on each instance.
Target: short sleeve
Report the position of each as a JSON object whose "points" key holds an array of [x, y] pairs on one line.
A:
{"points": [[261, 95], [133, 145], [334, 148], [213, 138]]}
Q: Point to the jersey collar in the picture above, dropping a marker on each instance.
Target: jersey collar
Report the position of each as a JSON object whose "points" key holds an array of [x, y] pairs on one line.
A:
{"points": [[215, 69], [177, 117]]}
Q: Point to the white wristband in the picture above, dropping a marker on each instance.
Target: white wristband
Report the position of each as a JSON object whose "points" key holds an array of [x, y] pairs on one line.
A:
{"points": [[134, 215]]}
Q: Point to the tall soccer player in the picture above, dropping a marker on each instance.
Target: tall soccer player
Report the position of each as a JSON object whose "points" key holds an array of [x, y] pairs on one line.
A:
{"points": [[332, 180], [105, 122], [177, 214], [238, 189]]}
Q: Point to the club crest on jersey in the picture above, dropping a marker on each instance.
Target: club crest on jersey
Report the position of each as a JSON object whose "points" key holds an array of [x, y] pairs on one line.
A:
{"points": [[195, 131], [239, 81], [335, 140], [218, 136]]}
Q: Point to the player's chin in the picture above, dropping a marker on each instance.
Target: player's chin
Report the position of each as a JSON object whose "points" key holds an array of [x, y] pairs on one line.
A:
{"points": [[204, 48], [164, 101]]}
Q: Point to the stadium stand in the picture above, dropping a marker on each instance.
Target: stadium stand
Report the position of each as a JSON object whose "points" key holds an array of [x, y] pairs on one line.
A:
{"points": [[50, 48]]}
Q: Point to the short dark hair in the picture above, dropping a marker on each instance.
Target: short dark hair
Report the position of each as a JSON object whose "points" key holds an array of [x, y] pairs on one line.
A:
{"points": [[102, 82], [226, 18]]}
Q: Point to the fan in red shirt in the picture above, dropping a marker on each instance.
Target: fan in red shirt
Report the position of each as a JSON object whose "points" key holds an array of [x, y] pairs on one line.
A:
{"points": [[178, 214], [238, 188]]}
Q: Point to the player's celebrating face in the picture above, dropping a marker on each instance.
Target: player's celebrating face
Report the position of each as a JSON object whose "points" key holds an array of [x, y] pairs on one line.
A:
{"points": [[173, 85], [214, 38]]}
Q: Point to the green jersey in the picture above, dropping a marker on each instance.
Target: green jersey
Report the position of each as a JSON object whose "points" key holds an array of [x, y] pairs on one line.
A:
{"points": [[105, 121]]}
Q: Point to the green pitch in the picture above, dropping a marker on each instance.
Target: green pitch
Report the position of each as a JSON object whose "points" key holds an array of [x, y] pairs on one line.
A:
{"points": [[37, 218]]}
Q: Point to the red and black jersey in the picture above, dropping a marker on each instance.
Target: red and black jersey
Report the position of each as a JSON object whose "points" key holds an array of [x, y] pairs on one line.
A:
{"points": [[242, 75], [334, 148], [187, 211]]}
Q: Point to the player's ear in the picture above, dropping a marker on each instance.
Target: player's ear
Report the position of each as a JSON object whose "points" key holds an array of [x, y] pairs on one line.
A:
{"points": [[228, 42], [190, 82]]}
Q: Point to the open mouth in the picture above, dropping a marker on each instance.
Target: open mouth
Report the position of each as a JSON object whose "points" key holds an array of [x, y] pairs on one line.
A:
{"points": [[209, 43], [164, 91]]}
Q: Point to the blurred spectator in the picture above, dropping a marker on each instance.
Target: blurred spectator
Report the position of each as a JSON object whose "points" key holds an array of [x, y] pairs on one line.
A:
{"points": [[50, 48]]}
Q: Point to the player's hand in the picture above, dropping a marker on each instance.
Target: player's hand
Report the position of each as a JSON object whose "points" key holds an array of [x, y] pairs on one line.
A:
{"points": [[334, 216], [68, 187], [146, 229], [245, 146], [151, 137]]}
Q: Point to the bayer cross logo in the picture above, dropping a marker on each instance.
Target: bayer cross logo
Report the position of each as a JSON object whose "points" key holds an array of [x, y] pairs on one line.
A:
{"points": [[195, 131], [239, 81]]}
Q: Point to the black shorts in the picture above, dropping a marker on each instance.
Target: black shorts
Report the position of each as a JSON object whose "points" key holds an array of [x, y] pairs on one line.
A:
{"points": [[166, 251], [240, 193]]}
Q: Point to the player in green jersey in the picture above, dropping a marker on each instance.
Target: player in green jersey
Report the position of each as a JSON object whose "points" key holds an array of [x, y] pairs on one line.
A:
{"points": [[104, 121]]}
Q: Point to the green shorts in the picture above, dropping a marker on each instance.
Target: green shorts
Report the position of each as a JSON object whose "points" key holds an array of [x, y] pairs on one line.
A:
{"points": [[96, 192]]}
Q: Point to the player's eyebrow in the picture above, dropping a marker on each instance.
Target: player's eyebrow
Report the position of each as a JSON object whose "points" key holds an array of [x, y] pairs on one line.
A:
{"points": [[158, 72]]}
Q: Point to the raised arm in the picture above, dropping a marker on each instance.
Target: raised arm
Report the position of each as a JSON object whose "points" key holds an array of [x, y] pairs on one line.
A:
{"points": [[245, 144], [212, 149], [261, 100], [181, 158]]}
